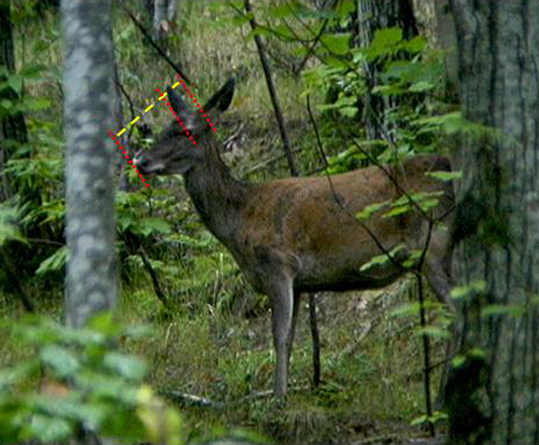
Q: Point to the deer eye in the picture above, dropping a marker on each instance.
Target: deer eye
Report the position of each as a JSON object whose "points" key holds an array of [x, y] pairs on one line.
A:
{"points": [[173, 132]]}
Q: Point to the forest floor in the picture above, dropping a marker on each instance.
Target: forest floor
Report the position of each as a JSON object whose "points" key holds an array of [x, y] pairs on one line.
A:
{"points": [[217, 368], [372, 376]]}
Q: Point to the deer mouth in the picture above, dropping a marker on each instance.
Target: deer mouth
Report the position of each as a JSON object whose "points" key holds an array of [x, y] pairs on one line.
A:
{"points": [[146, 167], [152, 170]]}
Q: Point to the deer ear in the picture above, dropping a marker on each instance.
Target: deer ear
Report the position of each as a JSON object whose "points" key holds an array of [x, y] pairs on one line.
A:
{"points": [[222, 99], [181, 109], [178, 105]]}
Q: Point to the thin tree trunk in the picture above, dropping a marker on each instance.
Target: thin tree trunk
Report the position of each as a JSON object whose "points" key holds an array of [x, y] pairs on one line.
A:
{"points": [[12, 126], [493, 392], [13, 132], [272, 91], [89, 115], [372, 16]]}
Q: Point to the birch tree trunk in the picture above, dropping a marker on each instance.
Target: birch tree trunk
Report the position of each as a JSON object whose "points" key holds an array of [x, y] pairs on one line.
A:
{"points": [[493, 392], [88, 111]]}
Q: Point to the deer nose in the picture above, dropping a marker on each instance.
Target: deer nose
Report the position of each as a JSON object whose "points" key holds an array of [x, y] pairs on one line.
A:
{"points": [[140, 161]]}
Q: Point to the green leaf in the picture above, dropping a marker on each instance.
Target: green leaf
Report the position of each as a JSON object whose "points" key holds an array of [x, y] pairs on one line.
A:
{"points": [[148, 226], [498, 310], [413, 256], [348, 111], [420, 87], [452, 123], [61, 360], [15, 82], [397, 211], [367, 212], [382, 259], [375, 261], [9, 228], [9, 377], [336, 43], [385, 42], [49, 429], [239, 20], [420, 420], [405, 310], [415, 45], [36, 104], [345, 7], [284, 9], [459, 292], [128, 366], [458, 360], [105, 324], [445, 176], [54, 263], [433, 331], [103, 386]]}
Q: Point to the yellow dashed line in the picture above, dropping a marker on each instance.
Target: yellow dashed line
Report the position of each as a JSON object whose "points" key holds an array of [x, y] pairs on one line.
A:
{"points": [[163, 96], [175, 85]]}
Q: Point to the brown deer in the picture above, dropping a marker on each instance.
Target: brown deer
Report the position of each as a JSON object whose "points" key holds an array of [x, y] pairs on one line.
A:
{"points": [[300, 234]]}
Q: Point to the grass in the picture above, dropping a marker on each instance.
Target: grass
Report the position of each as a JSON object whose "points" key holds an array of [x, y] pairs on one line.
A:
{"points": [[371, 368], [371, 365], [217, 342]]}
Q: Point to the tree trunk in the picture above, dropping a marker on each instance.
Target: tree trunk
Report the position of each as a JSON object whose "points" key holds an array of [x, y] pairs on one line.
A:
{"points": [[493, 392], [163, 18], [88, 110], [12, 125], [373, 15], [13, 133]]}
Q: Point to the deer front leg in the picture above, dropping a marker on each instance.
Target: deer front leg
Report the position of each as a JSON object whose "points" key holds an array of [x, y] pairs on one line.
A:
{"points": [[281, 302]]}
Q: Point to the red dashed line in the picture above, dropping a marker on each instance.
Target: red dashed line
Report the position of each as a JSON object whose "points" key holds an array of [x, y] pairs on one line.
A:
{"points": [[196, 102], [126, 156], [180, 122]]}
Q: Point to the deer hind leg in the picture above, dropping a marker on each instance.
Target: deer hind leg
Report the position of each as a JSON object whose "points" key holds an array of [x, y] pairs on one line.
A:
{"points": [[282, 302]]}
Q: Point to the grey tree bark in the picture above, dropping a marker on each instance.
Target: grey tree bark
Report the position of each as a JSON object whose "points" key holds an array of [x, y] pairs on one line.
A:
{"points": [[446, 38], [493, 393], [88, 111], [164, 17], [373, 15]]}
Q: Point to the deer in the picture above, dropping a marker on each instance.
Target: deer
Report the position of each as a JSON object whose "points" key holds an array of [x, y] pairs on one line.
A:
{"points": [[301, 234]]}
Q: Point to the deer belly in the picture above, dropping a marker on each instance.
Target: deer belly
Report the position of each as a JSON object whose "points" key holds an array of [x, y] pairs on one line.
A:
{"points": [[338, 277]]}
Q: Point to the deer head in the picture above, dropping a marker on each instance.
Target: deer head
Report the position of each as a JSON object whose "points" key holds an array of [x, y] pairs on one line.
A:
{"points": [[174, 151]]}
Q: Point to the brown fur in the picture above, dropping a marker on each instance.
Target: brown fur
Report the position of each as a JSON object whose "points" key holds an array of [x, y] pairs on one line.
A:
{"points": [[301, 234]]}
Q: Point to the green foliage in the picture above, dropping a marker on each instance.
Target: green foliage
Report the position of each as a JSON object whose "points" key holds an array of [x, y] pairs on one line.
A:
{"points": [[423, 420], [85, 385], [9, 228], [383, 259], [406, 70], [469, 290]]}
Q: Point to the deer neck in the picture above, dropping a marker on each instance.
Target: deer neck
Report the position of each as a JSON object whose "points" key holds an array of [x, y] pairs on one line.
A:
{"points": [[217, 196]]}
